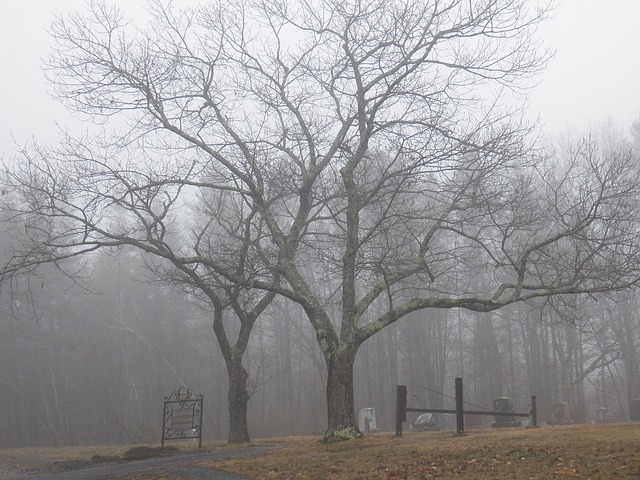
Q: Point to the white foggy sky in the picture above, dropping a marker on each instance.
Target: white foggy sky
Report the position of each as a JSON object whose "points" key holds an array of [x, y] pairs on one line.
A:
{"points": [[594, 77]]}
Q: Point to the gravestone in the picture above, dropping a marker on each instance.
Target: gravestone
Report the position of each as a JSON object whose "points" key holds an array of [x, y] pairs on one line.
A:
{"points": [[425, 422], [367, 420], [504, 405], [560, 414]]}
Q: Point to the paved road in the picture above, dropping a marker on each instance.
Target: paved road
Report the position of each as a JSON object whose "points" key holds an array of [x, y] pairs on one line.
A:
{"points": [[182, 466]]}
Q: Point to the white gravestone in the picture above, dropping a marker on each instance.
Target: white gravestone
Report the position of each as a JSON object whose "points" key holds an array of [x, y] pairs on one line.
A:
{"points": [[367, 420]]}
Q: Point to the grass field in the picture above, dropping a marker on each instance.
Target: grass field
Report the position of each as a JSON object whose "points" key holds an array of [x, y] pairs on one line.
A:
{"points": [[580, 451], [584, 452]]}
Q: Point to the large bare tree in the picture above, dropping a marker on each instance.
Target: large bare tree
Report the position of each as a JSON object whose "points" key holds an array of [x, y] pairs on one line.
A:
{"points": [[369, 149]]}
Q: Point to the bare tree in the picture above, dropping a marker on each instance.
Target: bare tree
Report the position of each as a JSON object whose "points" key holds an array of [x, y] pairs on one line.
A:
{"points": [[368, 146], [99, 204], [224, 233]]}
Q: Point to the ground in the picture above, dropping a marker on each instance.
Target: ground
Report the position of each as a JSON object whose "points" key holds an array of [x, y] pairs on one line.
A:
{"points": [[576, 451], [581, 452], [122, 462]]}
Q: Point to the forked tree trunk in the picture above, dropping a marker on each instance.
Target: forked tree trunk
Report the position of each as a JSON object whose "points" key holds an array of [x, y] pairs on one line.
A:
{"points": [[238, 397], [340, 408]]}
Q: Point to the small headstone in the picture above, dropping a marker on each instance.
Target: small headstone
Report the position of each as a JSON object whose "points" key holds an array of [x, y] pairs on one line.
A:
{"points": [[601, 415], [425, 422], [504, 405], [560, 414], [367, 420]]}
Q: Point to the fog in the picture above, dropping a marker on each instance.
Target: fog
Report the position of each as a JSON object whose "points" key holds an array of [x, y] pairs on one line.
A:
{"points": [[89, 360], [593, 78], [590, 81], [92, 369]]}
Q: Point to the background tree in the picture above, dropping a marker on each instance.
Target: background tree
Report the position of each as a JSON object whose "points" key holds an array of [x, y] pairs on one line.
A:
{"points": [[240, 239], [379, 166]]}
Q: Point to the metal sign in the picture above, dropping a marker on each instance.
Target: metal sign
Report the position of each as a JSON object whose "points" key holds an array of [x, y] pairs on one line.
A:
{"points": [[182, 416]]}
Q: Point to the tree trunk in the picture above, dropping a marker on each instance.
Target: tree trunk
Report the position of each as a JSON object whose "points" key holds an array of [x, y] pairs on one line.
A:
{"points": [[238, 397], [340, 407]]}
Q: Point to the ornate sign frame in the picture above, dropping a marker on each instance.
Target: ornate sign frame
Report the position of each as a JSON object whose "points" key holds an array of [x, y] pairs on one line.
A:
{"points": [[182, 416]]}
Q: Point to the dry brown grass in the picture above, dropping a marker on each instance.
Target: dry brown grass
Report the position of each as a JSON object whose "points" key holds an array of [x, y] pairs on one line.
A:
{"points": [[584, 452], [34, 459], [581, 452], [28, 460]]}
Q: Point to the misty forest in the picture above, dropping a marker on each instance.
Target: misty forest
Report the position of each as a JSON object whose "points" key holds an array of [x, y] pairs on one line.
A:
{"points": [[292, 207]]}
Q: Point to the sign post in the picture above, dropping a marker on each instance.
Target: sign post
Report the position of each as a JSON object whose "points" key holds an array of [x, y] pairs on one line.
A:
{"points": [[182, 416]]}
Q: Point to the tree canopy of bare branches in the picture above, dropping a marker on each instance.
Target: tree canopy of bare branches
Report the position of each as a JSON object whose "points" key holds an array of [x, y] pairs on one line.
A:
{"points": [[363, 158]]}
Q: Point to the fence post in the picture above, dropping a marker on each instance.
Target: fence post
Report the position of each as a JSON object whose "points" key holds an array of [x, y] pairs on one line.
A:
{"points": [[459, 407], [401, 408], [534, 412]]}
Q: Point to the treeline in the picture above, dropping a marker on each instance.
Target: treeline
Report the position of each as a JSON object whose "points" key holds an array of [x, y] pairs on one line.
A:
{"points": [[342, 211], [93, 367]]}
